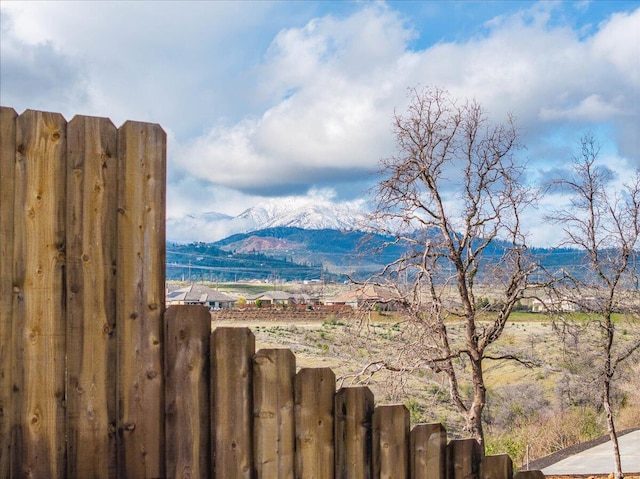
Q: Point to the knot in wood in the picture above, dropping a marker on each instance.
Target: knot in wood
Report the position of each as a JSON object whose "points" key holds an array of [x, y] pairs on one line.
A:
{"points": [[33, 336]]}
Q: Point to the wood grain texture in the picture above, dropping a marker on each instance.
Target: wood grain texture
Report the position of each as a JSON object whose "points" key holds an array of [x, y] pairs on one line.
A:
{"points": [[8, 118], [353, 432], [140, 303], [428, 452], [91, 297], [188, 419], [496, 467], [274, 371], [232, 351], [39, 306], [528, 475], [391, 442], [314, 409], [463, 458]]}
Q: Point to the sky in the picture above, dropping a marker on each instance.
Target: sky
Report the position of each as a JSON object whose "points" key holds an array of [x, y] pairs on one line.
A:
{"points": [[295, 99]]}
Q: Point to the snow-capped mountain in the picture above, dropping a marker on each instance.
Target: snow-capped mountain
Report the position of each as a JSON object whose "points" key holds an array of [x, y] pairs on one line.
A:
{"points": [[314, 213]]}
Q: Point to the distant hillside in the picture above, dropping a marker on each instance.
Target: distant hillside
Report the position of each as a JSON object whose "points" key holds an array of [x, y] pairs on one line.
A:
{"points": [[291, 253], [202, 261], [284, 252], [338, 251]]}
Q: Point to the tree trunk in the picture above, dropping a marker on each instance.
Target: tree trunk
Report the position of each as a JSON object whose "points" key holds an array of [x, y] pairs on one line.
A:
{"points": [[606, 401], [474, 414]]}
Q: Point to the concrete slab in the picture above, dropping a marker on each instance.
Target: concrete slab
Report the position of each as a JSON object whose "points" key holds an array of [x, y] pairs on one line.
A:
{"points": [[599, 459]]}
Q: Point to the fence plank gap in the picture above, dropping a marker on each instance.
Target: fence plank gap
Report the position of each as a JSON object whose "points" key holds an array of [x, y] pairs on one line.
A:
{"points": [[187, 391], [232, 351], [314, 407], [274, 371]]}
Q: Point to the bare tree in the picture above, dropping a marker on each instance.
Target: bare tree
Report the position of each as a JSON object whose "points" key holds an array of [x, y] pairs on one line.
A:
{"points": [[604, 223], [453, 197]]}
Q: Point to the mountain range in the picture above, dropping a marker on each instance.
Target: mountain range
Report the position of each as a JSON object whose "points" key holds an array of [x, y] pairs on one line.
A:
{"points": [[296, 240], [316, 213]]}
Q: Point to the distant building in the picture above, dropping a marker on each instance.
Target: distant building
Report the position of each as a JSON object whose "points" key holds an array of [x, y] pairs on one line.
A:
{"points": [[303, 298], [282, 298], [562, 305], [368, 296], [272, 298], [199, 294]]}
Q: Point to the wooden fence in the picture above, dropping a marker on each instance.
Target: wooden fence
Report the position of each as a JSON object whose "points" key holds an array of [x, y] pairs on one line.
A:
{"points": [[98, 381], [82, 228]]}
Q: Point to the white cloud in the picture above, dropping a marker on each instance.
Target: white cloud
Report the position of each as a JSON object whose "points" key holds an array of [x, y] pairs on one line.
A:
{"points": [[592, 108], [338, 81], [617, 43], [163, 62], [338, 86]]}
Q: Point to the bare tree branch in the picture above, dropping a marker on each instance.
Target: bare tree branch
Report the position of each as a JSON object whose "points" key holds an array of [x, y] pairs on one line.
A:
{"points": [[603, 222], [453, 197]]}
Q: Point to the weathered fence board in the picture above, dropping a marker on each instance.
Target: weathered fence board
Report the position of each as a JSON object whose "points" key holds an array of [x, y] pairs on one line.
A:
{"points": [[232, 351], [314, 407], [528, 475], [463, 457], [39, 309], [91, 297], [496, 467], [391, 442], [140, 301], [8, 118], [428, 453], [353, 432], [188, 422], [274, 372]]}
